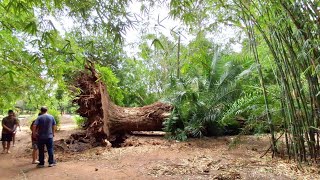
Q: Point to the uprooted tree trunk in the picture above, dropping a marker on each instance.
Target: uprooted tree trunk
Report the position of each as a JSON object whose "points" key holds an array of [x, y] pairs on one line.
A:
{"points": [[107, 122]]}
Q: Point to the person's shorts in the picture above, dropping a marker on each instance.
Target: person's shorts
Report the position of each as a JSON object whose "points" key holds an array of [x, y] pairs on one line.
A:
{"points": [[34, 145], [6, 137]]}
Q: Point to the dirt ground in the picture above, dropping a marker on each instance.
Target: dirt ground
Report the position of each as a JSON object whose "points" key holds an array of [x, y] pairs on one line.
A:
{"points": [[154, 157]]}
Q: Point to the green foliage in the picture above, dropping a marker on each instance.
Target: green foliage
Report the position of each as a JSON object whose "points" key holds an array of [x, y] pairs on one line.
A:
{"points": [[136, 84], [35, 57], [111, 81], [53, 112], [244, 104], [63, 100], [79, 120], [216, 91], [201, 103], [31, 118], [56, 114]]}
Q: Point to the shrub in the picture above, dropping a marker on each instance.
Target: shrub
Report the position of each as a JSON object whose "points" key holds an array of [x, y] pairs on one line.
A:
{"points": [[79, 120], [56, 114], [53, 112], [207, 105]]}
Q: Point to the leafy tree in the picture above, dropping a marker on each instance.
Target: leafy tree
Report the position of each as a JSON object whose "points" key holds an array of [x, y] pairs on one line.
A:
{"points": [[34, 51]]}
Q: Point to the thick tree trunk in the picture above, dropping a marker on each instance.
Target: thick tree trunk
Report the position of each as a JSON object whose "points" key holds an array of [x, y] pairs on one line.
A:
{"points": [[107, 121]]}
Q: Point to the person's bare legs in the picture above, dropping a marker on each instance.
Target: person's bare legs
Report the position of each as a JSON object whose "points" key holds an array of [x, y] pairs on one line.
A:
{"points": [[4, 146], [34, 156], [13, 139], [8, 147]]}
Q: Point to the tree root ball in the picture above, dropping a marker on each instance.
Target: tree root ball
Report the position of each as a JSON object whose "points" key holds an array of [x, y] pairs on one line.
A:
{"points": [[106, 122]]}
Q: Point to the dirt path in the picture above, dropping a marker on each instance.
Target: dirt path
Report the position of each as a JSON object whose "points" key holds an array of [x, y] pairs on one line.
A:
{"points": [[154, 157]]}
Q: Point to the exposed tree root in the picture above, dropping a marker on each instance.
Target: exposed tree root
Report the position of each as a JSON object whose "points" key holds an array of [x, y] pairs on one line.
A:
{"points": [[106, 122]]}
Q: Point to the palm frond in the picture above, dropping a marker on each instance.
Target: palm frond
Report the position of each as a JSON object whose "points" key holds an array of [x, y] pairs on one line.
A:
{"points": [[247, 72], [240, 105]]}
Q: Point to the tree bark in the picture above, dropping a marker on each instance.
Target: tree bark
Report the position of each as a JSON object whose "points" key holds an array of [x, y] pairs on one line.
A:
{"points": [[107, 121]]}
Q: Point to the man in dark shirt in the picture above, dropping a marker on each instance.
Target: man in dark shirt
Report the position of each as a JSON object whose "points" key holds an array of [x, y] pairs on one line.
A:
{"points": [[9, 124], [44, 128]]}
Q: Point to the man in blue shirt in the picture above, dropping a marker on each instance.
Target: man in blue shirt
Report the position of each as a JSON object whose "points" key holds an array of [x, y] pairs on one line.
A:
{"points": [[43, 130]]}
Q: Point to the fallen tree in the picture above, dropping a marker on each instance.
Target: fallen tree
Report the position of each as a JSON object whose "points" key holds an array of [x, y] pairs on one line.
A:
{"points": [[105, 121]]}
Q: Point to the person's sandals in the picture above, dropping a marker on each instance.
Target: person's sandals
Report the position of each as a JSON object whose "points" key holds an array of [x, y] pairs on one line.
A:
{"points": [[8, 152]]}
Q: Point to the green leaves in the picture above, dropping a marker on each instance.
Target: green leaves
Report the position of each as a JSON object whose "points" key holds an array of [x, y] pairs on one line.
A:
{"points": [[10, 73], [199, 107], [157, 44], [31, 28], [183, 9], [111, 81], [17, 7]]}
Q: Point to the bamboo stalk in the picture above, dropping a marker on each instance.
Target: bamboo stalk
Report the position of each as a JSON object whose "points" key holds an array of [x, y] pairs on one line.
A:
{"points": [[292, 43]]}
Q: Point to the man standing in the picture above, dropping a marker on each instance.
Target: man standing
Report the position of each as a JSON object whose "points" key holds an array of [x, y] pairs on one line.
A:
{"points": [[44, 128], [9, 124]]}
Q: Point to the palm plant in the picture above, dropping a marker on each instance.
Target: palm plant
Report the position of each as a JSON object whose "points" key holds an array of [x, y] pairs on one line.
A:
{"points": [[206, 105]]}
